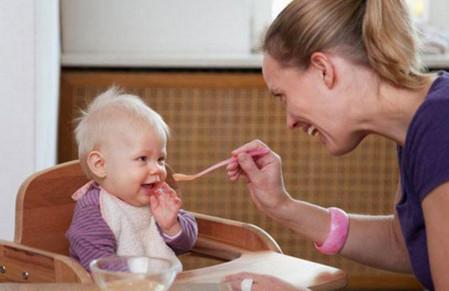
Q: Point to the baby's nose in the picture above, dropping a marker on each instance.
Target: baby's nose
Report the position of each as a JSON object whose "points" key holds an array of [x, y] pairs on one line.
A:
{"points": [[155, 169]]}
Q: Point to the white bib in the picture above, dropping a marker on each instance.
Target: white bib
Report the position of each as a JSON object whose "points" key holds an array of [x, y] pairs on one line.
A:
{"points": [[134, 229]]}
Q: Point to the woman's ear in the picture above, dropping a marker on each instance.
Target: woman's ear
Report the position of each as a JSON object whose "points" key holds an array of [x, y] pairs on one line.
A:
{"points": [[96, 164], [325, 67]]}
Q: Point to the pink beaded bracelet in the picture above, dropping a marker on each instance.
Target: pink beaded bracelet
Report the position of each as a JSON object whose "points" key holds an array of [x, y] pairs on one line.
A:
{"points": [[338, 232]]}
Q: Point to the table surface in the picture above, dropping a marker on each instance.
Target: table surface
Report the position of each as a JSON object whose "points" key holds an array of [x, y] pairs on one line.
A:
{"points": [[291, 269], [92, 287]]}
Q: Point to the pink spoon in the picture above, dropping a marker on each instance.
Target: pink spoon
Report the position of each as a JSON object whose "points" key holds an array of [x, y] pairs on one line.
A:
{"points": [[184, 177]]}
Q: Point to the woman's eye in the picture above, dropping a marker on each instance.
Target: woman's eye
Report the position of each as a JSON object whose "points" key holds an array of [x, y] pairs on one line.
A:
{"points": [[280, 96]]}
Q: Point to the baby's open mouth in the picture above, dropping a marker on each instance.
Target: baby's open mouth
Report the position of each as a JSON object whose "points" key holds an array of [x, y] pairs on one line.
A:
{"points": [[149, 186]]}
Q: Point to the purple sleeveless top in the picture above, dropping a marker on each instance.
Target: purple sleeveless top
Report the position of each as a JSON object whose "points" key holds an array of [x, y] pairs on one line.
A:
{"points": [[424, 165]]}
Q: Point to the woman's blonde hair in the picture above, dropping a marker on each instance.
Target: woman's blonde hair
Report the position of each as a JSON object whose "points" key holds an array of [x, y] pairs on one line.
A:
{"points": [[378, 33], [111, 111]]}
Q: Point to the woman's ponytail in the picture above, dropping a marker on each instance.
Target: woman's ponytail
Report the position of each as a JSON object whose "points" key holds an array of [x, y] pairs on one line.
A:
{"points": [[389, 41]]}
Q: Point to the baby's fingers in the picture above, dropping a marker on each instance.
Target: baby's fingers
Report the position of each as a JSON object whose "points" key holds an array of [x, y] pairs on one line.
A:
{"points": [[154, 201], [171, 199], [165, 188]]}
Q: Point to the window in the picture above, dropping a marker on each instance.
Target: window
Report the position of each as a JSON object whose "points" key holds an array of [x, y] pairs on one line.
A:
{"points": [[419, 9]]}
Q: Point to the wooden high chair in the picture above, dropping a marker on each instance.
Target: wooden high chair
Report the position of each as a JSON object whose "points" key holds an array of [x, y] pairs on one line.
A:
{"points": [[40, 252], [44, 208]]}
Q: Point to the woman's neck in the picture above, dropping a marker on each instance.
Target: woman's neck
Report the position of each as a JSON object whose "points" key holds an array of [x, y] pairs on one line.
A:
{"points": [[395, 108]]}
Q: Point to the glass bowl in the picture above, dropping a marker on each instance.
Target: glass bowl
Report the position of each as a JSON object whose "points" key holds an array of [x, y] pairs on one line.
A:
{"points": [[118, 273]]}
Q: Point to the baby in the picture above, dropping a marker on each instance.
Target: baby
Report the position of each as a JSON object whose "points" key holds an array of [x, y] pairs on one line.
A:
{"points": [[127, 208]]}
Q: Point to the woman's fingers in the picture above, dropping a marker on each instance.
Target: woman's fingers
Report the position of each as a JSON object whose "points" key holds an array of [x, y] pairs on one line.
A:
{"points": [[251, 146], [248, 166]]}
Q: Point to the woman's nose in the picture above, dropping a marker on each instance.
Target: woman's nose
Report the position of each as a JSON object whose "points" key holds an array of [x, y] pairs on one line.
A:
{"points": [[291, 122]]}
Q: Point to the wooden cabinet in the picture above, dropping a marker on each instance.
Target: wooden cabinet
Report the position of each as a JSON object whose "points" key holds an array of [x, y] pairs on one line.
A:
{"points": [[210, 113]]}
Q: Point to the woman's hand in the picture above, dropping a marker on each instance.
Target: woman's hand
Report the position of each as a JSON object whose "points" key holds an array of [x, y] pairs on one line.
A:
{"points": [[165, 205], [260, 283], [263, 175]]}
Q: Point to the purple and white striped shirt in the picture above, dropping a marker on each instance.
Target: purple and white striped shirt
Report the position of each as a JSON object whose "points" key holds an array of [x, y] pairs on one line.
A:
{"points": [[90, 237]]}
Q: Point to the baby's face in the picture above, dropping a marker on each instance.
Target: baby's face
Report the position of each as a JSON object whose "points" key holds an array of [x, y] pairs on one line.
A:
{"points": [[135, 164]]}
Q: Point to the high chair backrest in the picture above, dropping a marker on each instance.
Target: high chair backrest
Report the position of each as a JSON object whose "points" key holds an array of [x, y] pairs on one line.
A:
{"points": [[44, 207]]}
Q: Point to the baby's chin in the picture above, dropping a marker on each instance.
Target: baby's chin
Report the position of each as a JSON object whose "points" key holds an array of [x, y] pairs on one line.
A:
{"points": [[142, 202]]}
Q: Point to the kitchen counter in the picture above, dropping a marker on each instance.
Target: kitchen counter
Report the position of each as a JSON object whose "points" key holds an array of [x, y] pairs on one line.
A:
{"points": [[243, 61]]}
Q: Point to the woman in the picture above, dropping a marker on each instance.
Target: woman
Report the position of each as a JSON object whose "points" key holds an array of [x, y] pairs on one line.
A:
{"points": [[345, 69]]}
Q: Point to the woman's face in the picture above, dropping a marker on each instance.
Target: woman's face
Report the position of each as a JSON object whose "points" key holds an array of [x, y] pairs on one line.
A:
{"points": [[323, 108]]}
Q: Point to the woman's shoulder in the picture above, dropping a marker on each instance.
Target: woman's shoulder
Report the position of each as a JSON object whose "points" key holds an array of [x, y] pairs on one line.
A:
{"points": [[436, 104], [430, 123], [439, 91]]}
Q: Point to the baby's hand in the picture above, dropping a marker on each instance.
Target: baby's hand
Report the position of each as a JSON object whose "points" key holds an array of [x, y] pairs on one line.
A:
{"points": [[165, 205]]}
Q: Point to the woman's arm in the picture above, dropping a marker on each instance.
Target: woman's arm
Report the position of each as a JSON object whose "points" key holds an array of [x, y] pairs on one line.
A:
{"points": [[373, 240], [436, 215]]}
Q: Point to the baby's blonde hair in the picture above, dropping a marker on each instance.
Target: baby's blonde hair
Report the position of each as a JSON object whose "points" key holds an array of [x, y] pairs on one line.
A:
{"points": [[108, 112]]}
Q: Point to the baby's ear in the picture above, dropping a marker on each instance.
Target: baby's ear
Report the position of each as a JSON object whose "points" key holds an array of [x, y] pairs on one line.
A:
{"points": [[95, 162]]}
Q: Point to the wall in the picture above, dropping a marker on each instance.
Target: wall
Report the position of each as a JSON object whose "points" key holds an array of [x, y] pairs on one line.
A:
{"points": [[439, 14], [160, 28], [29, 81]]}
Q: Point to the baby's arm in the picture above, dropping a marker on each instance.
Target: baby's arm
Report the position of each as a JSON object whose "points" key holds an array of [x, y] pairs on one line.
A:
{"points": [[89, 236], [165, 205], [186, 238], [178, 228]]}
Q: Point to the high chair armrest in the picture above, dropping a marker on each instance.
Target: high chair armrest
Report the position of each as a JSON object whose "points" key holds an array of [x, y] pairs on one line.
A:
{"points": [[20, 263], [227, 239]]}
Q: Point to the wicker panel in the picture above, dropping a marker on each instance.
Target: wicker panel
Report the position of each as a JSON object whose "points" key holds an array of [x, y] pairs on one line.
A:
{"points": [[212, 113]]}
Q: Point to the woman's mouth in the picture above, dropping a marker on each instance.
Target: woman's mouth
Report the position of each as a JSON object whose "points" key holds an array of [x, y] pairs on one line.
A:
{"points": [[312, 131]]}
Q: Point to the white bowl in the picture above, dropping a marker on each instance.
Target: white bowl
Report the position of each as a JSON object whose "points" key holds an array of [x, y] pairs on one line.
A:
{"points": [[136, 273]]}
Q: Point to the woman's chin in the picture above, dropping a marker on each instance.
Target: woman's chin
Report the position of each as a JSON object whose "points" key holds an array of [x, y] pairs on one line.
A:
{"points": [[339, 150]]}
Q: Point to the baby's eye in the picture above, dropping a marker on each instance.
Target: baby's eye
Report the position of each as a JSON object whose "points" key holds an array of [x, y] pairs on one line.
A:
{"points": [[161, 160], [142, 159]]}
